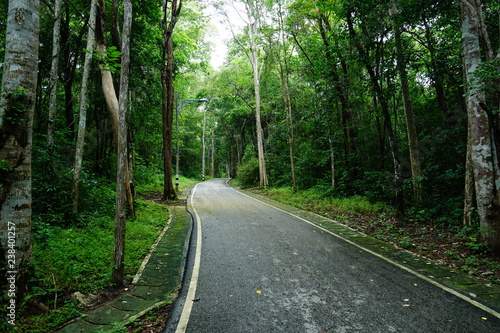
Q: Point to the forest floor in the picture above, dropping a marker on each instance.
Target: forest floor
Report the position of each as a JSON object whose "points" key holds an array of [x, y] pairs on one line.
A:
{"points": [[447, 247]]}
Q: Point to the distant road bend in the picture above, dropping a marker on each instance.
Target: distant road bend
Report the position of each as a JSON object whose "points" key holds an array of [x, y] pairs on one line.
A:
{"points": [[256, 268]]}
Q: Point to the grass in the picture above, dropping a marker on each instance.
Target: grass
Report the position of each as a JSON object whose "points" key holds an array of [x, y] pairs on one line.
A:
{"points": [[314, 199], [80, 258]]}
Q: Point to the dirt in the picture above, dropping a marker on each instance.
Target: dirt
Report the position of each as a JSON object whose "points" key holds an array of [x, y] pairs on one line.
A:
{"points": [[153, 322], [451, 248]]}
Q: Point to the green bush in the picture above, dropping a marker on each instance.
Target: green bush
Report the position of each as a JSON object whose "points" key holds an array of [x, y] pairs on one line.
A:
{"points": [[248, 173]]}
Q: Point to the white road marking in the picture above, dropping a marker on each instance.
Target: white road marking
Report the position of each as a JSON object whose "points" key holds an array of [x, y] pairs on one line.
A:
{"points": [[188, 305], [423, 277]]}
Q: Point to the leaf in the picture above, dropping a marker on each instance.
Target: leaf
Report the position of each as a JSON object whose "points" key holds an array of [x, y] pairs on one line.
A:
{"points": [[258, 292]]}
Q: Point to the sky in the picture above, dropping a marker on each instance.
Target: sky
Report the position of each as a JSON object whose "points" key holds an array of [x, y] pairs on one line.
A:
{"points": [[221, 34]]}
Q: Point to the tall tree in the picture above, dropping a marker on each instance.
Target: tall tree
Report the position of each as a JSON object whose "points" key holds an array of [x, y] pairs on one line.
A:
{"points": [[252, 16], [284, 55], [384, 106], [484, 155], [108, 88], [171, 11], [17, 104], [54, 74], [82, 123], [407, 103], [121, 151]]}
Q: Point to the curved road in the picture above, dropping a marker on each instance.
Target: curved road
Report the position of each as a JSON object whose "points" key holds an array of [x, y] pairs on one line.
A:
{"points": [[263, 270]]}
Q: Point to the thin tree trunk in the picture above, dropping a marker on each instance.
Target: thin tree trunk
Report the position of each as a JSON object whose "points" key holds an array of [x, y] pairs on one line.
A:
{"points": [[254, 61], [469, 184], [70, 66], [289, 119], [284, 71], [112, 103], [212, 173], [408, 109], [398, 179], [118, 275], [19, 84], [168, 95], [56, 39], [483, 152], [83, 108]]}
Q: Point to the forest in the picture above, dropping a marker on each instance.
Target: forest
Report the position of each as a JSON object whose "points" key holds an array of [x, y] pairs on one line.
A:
{"points": [[391, 102]]}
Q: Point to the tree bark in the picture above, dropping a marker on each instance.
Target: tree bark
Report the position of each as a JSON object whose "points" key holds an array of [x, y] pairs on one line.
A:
{"points": [[411, 128], [483, 150], [253, 56], [284, 70], [17, 104], [56, 41], [167, 81], [377, 89], [118, 275], [82, 123], [112, 103]]}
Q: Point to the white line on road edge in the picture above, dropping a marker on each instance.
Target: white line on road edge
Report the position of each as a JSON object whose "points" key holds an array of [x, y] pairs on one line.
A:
{"points": [[151, 250], [423, 277], [188, 304]]}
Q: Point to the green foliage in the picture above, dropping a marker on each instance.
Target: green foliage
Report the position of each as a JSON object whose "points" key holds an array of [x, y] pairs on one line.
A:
{"points": [[248, 173], [314, 199], [109, 59]]}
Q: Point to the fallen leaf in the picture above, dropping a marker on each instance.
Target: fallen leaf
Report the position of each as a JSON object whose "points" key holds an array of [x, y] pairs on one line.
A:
{"points": [[258, 292]]}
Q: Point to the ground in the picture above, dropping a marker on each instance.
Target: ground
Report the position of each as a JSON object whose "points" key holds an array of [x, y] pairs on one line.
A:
{"points": [[460, 250], [153, 322]]}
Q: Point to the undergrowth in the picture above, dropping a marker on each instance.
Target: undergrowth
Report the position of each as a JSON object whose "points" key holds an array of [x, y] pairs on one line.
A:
{"points": [[78, 256]]}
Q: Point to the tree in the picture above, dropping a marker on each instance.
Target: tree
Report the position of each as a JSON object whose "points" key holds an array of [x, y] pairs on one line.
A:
{"points": [[407, 104], [107, 66], [17, 103], [82, 123], [170, 17], [484, 155], [384, 106], [54, 76], [121, 153]]}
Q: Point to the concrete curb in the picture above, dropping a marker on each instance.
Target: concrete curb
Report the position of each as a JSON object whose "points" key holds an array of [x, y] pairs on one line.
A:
{"points": [[157, 282]]}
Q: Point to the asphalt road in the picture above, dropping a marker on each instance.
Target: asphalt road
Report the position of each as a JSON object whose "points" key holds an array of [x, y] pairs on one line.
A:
{"points": [[263, 270]]}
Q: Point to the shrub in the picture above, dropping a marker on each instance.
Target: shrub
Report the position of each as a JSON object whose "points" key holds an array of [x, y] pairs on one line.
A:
{"points": [[248, 173]]}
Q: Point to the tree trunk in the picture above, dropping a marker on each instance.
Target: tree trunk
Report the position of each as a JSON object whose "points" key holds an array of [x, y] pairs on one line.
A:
{"points": [[377, 89], [284, 70], [408, 108], [56, 38], [469, 184], [17, 104], [112, 103], [70, 64], [254, 61], [118, 275], [83, 108], [167, 81], [483, 151]]}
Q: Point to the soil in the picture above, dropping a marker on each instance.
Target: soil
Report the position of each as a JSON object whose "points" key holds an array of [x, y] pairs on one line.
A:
{"points": [[153, 322], [451, 248]]}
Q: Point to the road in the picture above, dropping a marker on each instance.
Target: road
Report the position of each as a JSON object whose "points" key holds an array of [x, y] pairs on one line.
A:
{"points": [[263, 270]]}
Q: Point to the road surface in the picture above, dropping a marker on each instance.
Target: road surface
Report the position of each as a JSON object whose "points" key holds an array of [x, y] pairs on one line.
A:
{"points": [[258, 269]]}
